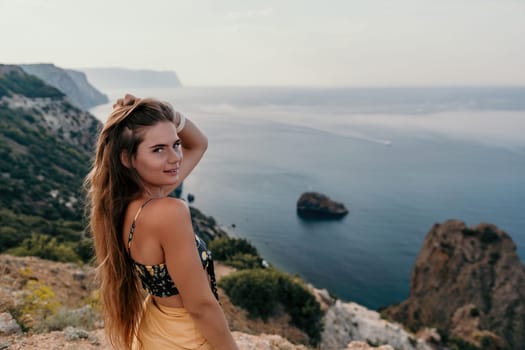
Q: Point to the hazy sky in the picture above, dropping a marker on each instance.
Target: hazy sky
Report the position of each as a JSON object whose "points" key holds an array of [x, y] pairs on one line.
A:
{"points": [[277, 42]]}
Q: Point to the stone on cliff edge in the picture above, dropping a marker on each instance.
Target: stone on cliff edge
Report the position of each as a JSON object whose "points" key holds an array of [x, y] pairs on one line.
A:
{"points": [[264, 342], [359, 345], [469, 283], [347, 321], [8, 324], [317, 205]]}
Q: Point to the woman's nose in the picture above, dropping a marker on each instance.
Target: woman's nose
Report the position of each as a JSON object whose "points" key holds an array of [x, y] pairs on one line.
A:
{"points": [[175, 155]]}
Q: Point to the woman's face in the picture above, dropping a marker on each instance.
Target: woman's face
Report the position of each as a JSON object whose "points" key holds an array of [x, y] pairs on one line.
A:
{"points": [[158, 157]]}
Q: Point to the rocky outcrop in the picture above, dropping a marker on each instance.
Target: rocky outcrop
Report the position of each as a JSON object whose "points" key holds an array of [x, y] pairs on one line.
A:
{"points": [[317, 205], [205, 226], [73, 83], [120, 78], [469, 283], [8, 325], [345, 322]]}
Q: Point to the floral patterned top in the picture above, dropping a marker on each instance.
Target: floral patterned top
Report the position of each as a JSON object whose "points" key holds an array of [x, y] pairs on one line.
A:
{"points": [[156, 279]]}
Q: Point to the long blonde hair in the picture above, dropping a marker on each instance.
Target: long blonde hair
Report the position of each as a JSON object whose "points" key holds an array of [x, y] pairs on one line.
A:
{"points": [[110, 188]]}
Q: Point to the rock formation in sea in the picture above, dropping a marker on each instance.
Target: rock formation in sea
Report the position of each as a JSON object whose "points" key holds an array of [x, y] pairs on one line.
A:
{"points": [[319, 206], [470, 284], [71, 82]]}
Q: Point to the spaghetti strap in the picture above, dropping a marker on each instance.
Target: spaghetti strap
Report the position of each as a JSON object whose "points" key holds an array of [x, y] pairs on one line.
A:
{"points": [[132, 229]]}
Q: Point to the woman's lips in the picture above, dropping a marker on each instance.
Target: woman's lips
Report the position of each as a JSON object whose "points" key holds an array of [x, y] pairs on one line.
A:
{"points": [[172, 171]]}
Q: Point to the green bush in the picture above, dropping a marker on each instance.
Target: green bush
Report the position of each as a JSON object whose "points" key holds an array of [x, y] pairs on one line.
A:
{"points": [[10, 237], [45, 247], [16, 227], [302, 306], [226, 247], [236, 252], [259, 291], [85, 249], [256, 291], [244, 261]]}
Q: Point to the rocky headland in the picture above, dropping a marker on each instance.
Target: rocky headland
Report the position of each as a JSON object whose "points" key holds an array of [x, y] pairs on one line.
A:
{"points": [[469, 283]]}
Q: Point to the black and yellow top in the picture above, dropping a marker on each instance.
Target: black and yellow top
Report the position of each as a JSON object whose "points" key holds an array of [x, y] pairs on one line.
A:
{"points": [[155, 278]]}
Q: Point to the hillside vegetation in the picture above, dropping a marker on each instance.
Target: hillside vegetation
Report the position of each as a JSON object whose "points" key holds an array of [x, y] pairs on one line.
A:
{"points": [[46, 145]]}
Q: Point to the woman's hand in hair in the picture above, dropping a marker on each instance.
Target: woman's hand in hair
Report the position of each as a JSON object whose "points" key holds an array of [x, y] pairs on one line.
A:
{"points": [[128, 100]]}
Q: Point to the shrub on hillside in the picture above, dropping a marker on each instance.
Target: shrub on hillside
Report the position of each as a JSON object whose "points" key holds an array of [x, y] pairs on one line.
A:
{"points": [[302, 306], [259, 291], [37, 302], [256, 291], [244, 261], [236, 252], [27, 85], [225, 247], [84, 249], [10, 237], [45, 247], [16, 227]]}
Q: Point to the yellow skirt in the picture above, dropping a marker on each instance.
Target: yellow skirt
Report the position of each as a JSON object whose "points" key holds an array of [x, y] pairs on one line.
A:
{"points": [[170, 328]]}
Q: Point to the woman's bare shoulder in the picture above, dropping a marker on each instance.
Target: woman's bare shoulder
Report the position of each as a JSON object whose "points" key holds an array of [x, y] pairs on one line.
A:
{"points": [[167, 211]]}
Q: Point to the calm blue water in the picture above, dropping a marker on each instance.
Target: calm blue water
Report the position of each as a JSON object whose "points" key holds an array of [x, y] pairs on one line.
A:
{"points": [[399, 159]]}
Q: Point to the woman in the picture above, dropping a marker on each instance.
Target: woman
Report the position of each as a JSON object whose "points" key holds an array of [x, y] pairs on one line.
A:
{"points": [[143, 237]]}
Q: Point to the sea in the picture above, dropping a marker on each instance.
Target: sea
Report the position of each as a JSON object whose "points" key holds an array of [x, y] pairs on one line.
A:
{"points": [[399, 158]]}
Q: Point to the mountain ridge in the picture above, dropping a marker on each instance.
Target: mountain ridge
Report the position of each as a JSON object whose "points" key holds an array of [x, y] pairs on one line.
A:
{"points": [[71, 82]]}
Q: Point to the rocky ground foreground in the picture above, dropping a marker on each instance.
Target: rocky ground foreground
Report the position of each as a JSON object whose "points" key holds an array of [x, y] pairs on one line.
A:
{"points": [[77, 339]]}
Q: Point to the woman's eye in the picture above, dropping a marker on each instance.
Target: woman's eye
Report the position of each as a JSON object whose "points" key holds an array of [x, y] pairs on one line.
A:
{"points": [[177, 145], [157, 150]]}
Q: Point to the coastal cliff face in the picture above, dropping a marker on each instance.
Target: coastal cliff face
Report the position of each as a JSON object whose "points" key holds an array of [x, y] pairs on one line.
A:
{"points": [[73, 83], [469, 283]]}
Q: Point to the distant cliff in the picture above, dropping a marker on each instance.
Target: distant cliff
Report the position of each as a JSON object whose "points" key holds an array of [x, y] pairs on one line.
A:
{"points": [[470, 284], [116, 78], [73, 83]]}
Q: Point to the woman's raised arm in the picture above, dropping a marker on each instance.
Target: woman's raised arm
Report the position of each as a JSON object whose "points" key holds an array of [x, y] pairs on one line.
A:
{"points": [[194, 144]]}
